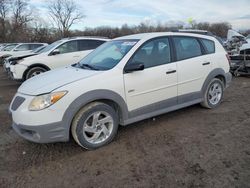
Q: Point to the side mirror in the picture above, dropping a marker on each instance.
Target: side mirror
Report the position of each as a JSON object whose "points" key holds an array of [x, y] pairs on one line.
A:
{"points": [[55, 52], [131, 67]]}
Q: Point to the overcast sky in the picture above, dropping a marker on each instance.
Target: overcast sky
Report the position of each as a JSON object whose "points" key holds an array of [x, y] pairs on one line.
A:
{"points": [[132, 12]]}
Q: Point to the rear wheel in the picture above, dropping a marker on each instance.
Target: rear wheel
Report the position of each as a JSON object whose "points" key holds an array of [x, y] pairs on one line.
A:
{"points": [[34, 72], [95, 125], [214, 93]]}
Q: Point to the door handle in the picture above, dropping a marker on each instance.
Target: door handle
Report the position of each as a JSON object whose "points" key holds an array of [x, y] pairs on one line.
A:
{"points": [[171, 72], [206, 63]]}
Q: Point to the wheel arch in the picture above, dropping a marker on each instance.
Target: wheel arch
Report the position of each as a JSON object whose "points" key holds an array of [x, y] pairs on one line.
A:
{"points": [[216, 73], [35, 65], [106, 96]]}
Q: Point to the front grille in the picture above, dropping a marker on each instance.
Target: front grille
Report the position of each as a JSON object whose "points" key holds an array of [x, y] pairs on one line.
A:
{"points": [[17, 102]]}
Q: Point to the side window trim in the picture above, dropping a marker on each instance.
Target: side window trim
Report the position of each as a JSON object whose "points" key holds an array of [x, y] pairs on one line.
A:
{"points": [[204, 46], [148, 41], [174, 47]]}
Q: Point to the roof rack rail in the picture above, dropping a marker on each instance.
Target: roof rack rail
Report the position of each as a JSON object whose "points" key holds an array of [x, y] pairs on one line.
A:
{"points": [[194, 31], [75, 37]]}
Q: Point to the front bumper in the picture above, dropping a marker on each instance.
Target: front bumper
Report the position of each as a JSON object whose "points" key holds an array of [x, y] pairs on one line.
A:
{"points": [[45, 126], [17, 71], [42, 134]]}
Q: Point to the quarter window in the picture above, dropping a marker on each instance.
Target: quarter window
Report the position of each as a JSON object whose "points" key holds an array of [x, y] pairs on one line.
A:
{"points": [[153, 53], [209, 45], [186, 47]]}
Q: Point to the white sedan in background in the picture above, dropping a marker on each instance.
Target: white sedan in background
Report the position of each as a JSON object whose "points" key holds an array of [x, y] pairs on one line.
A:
{"points": [[60, 53]]}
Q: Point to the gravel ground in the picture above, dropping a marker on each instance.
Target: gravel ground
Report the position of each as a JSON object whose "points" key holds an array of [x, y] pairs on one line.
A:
{"points": [[192, 147]]}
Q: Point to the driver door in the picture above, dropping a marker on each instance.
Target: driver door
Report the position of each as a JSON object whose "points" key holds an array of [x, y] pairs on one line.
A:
{"points": [[68, 55], [157, 82]]}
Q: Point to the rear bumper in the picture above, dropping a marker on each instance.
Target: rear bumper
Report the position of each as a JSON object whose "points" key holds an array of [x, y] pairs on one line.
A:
{"points": [[42, 134]]}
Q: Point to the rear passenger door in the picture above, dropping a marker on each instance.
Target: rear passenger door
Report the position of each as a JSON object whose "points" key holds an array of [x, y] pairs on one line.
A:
{"points": [[193, 66], [155, 87]]}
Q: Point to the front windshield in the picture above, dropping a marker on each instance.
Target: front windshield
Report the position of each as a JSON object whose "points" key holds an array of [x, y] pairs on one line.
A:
{"points": [[107, 55], [51, 46]]}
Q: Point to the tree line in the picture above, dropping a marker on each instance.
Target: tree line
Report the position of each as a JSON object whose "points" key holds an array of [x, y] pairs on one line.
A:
{"points": [[20, 22]]}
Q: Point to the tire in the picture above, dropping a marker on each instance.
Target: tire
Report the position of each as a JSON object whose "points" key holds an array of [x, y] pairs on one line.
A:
{"points": [[213, 99], [34, 71], [92, 134]]}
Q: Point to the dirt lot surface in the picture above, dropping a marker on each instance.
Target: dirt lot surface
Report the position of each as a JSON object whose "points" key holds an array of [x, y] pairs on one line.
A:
{"points": [[193, 147]]}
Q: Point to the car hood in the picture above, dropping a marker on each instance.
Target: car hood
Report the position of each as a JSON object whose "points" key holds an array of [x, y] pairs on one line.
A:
{"points": [[33, 58], [54, 79], [13, 58]]}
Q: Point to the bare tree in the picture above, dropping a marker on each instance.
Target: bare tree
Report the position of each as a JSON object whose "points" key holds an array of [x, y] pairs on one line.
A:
{"points": [[21, 13], [64, 13], [4, 10]]}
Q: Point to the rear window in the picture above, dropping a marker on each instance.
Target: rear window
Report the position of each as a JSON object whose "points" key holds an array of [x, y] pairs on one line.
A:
{"points": [[209, 46], [187, 47]]}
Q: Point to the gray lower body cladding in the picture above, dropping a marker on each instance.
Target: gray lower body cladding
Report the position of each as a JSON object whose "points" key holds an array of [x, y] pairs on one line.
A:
{"points": [[49, 133]]}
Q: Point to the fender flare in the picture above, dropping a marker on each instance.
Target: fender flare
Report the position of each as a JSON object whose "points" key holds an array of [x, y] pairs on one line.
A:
{"points": [[214, 73], [91, 96]]}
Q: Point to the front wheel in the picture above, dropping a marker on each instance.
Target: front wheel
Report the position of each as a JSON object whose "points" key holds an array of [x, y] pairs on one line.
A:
{"points": [[95, 125], [214, 93], [34, 72]]}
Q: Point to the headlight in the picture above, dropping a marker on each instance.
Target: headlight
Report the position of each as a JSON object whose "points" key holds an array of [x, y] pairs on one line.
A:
{"points": [[44, 101]]}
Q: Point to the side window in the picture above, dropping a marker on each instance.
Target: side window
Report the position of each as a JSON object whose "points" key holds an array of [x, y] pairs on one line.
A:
{"points": [[248, 52], [83, 45], [89, 44], [209, 45], [34, 46], [186, 47], [22, 47], [68, 47], [153, 53], [93, 44]]}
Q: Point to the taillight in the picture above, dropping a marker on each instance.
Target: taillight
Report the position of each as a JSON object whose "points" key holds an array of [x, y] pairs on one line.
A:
{"points": [[228, 58]]}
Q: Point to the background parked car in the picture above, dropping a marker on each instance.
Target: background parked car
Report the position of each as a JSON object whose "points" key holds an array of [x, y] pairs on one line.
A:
{"points": [[60, 53], [13, 59], [19, 49], [8, 47], [3, 45]]}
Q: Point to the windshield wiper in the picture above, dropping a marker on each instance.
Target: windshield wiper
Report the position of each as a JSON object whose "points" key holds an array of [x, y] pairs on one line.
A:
{"points": [[88, 66]]}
